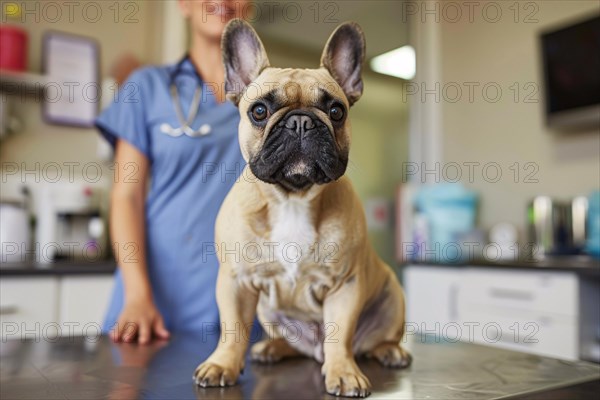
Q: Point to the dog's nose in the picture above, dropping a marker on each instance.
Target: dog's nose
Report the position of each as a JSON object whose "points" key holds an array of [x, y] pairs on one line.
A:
{"points": [[300, 124]]}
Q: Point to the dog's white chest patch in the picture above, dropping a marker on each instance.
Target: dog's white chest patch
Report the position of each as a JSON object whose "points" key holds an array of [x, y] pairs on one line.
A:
{"points": [[293, 233]]}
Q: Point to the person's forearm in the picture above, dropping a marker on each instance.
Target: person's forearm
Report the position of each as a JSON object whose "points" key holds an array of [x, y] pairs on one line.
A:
{"points": [[128, 233]]}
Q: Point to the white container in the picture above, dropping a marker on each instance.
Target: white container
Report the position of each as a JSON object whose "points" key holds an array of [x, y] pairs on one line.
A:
{"points": [[14, 233]]}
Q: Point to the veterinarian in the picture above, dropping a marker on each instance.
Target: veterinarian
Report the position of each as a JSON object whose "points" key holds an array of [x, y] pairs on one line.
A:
{"points": [[176, 157]]}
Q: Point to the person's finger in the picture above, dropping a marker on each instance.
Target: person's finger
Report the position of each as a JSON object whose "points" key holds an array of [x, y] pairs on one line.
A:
{"points": [[144, 332], [117, 331], [160, 330], [130, 329], [114, 334]]}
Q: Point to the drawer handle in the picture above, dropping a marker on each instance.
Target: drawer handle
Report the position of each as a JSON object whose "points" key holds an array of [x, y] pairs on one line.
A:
{"points": [[511, 294], [8, 310], [453, 302]]}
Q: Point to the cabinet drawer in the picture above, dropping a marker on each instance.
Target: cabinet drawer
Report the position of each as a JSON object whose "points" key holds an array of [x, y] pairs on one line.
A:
{"points": [[29, 307], [541, 291], [538, 333]]}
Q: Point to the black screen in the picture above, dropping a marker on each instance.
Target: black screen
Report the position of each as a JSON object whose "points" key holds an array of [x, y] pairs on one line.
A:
{"points": [[571, 59]]}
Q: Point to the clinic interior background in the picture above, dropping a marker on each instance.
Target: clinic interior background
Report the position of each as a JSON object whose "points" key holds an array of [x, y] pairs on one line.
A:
{"points": [[479, 51]]}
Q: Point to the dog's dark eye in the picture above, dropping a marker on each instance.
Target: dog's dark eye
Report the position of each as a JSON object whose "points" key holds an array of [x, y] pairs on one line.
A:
{"points": [[336, 113], [259, 112]]}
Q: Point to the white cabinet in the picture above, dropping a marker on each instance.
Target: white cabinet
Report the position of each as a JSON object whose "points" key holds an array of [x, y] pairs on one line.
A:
{"points": [[532, 311], [44, 307], [525, 310], [83, 302], [536, 291], [431, 296], [28, 307]]}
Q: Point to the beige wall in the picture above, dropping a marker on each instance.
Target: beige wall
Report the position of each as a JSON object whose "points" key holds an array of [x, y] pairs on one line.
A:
{"points": [[510, 131], [116, 35]]}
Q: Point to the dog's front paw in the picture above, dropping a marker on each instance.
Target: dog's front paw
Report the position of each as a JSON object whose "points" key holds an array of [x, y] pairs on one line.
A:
{"points": [[209, 374], [344, 378]]}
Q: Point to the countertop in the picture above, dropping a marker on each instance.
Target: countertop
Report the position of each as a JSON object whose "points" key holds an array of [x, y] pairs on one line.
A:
{"points": [[64, 267], [583, 265], [580, 264], [95, 368]]}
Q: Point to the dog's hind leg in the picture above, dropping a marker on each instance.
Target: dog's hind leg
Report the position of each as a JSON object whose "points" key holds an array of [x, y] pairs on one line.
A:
{"points": [[381, 328], [272, 350], [391, 355]]}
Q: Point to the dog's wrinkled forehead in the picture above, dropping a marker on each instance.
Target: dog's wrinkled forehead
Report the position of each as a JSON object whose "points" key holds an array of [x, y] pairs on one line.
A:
{"points": [[295, 88]]}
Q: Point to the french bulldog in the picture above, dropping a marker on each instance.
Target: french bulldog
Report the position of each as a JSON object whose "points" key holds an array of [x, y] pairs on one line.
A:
{"points": [[291, 235]]}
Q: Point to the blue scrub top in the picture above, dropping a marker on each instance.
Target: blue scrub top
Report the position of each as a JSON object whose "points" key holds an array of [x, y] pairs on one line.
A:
{"points": [[190, 177]]}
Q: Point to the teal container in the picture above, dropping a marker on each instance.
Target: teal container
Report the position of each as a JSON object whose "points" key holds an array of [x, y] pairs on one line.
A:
{"points": [[592, 244], [450, 210]]}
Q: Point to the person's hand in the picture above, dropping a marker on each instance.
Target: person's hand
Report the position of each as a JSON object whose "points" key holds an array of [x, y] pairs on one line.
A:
{"points": [[139, 320]]}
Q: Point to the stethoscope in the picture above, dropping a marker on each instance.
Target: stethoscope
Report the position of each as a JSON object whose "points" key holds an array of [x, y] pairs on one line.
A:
{"points": [[184, 122]]}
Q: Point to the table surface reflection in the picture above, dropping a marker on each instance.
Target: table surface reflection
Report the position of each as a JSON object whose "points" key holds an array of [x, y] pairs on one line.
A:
{"points": [[95, 368]]}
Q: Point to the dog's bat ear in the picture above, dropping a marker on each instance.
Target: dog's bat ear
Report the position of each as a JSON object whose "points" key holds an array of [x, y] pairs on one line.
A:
{"points": [[343, 57], [244, 57]]}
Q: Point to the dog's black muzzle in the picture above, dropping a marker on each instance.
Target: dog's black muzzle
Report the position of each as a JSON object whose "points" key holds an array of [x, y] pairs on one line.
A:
{"points": [[298, 152]]}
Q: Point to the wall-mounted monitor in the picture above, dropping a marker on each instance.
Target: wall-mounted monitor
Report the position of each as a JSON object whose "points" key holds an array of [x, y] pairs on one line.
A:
{"points": [[571, 63]]}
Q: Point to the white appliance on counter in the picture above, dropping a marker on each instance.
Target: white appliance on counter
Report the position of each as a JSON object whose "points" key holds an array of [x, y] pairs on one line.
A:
{"points": [[14, 232], [15, 236], [69, 222]]}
